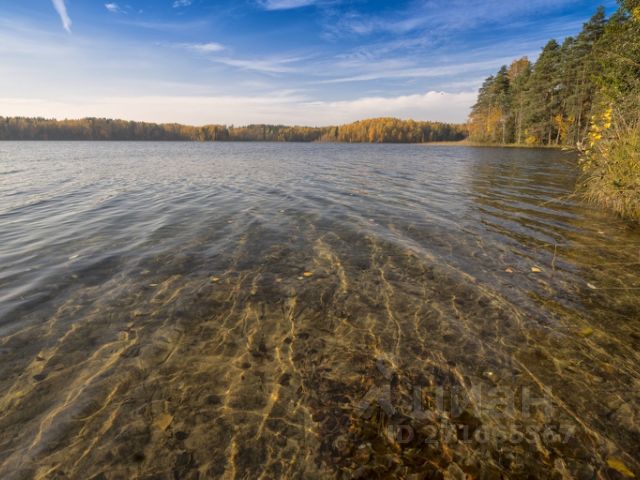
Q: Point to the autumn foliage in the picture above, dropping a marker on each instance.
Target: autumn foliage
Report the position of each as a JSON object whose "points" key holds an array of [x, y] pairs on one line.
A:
{"points": [[379, 130]]}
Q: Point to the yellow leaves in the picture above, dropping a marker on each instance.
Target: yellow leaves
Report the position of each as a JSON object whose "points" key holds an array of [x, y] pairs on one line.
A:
{"points": [[536, 269], [163, 421], [561, 124], [599, 125], [215, 279], [518, 67], [636, 13], [620, 467], [586, 332], [306, 274], [493, 119], [608, 114], [607, 118]]}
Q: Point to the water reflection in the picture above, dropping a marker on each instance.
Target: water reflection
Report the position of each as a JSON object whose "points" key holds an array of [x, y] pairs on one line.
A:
{"points": [[304, 311]]}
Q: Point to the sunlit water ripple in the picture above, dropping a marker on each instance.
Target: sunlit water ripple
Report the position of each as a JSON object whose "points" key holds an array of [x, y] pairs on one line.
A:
{"points": [[174, 310]]}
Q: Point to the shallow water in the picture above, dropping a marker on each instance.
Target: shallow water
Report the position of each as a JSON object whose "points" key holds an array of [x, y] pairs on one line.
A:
{"points": [[190, 311]]}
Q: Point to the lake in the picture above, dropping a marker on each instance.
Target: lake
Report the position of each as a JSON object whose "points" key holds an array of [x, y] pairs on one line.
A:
{"points": [[258, 310]]}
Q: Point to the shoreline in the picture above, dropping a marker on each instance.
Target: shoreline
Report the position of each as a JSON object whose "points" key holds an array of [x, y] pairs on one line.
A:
{"points": [[465, 143], [458, 143]]}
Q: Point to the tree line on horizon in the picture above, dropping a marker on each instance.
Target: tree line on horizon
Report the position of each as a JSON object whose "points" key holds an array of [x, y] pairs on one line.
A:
{"points": [[376, 130]]}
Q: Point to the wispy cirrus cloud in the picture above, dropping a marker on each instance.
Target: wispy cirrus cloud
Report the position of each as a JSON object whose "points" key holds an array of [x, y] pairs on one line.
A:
{"points": [[272, 65], [421, 72], [61, 8], [217, 53], [113, 8], [209, 47], [181, 3], [436, 16], [169, 26], [286, 4]]}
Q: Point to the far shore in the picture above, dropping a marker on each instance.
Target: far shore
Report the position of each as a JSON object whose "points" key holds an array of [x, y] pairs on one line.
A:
{"points": [[467, 143]]}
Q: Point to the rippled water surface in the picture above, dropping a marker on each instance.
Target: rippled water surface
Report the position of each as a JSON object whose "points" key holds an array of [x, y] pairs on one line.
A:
{"points": [[310, 311]]}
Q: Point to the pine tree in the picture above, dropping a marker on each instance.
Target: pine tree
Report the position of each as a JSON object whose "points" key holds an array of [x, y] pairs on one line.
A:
{"points": [[519, 73], [543, 95]]}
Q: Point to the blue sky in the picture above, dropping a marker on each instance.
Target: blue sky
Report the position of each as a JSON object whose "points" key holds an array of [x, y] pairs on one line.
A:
{"points": [[311, 62]]}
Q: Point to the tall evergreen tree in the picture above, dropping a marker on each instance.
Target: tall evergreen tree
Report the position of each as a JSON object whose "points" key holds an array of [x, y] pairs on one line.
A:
{"points": [[519, 73], [547, 103], [543, 95]]}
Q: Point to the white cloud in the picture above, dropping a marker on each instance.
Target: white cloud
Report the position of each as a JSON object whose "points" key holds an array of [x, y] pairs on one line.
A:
{"points": [[113, 7], [441, 106], [422, 72], [209, 47], [285, 4], [437, 16], [283, 107], [61, 8], [169, 26], [265, 65], [181, 3]]}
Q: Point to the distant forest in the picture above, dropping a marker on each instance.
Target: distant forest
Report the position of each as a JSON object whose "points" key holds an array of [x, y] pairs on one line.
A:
{"points": [[378, 130]]}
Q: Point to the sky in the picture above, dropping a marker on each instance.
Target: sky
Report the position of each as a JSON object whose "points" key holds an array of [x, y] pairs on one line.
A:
{"points": [[295, 62]]}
